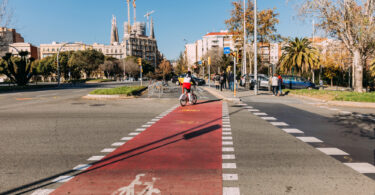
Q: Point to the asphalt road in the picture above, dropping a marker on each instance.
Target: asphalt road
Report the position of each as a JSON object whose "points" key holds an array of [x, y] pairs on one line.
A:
{"points": [[328, 123]]}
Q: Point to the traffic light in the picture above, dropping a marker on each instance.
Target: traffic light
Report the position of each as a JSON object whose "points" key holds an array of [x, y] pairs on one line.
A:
{"points": [[209, 61], [139, 61]]}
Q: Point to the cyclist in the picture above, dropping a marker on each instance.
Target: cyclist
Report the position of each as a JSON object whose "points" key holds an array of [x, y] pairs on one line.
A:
{"points": [[187, 85]]}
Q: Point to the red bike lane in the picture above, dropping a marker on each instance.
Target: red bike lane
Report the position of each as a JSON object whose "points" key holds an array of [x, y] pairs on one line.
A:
{"points": [[179, 154]]}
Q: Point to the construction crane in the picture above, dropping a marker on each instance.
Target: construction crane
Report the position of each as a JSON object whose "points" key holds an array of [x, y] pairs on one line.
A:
{"points": [[148, 18]]}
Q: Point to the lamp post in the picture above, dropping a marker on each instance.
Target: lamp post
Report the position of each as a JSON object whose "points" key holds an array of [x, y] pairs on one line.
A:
{"points": [[255, 49], [244, 71]]}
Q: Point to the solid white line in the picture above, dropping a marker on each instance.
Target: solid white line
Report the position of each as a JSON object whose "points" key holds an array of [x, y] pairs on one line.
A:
{"points": [[332, 151], [362, 167], [292, 130], [227, 138], [118, 144], [310, 139], [231, 191], [229, 166], [126, 138], [63, 179], [95, 158], [228, 149], [279, 124], [230, 177], [43, 192], [228, 156], [81, 167], [108, 150]]}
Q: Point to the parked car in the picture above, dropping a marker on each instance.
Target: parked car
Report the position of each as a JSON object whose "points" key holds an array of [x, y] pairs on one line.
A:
{"points": [[263, 82], [199, 81], [296, 82]]}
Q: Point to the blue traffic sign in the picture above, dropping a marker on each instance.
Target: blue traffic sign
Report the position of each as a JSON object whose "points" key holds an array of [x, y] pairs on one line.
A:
{"points": [[200, 62], [226, 50]]}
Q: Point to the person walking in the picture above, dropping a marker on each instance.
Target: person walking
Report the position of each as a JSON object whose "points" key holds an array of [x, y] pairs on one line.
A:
{"points": [[217, 81], [225, 80], [231, 81], [275, 84], [222, 81], [280, 85]]}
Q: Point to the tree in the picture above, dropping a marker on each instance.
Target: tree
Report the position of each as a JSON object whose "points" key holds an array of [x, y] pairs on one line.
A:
{"points": [[18, 70], [111, 67], [87, 60], [351, 22], [131, 66], [330, 71], [181, 67], [164, 69], [300, 56], [45, 67]]}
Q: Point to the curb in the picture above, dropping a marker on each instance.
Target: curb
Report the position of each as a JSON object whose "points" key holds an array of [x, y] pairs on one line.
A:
{"points": [[106, 97], [338, 103], [220, 96]]}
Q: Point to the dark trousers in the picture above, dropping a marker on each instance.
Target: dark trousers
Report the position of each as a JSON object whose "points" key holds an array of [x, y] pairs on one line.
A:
{"points": [[275, 90]]}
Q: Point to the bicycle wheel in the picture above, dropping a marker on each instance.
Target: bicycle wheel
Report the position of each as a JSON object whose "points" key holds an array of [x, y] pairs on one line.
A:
{"points": [[183, 100], [195, 98]]}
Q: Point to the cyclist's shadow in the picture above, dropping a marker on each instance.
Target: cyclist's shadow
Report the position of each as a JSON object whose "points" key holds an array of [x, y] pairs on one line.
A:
{"points": [[208, 101]]}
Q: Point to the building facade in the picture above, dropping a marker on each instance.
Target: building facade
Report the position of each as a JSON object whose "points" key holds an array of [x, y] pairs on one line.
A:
{"points": [[14, 48], [8, 36]]}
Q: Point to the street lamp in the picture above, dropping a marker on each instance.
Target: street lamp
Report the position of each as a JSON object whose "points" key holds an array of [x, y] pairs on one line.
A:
{"points": [[255, 49]]}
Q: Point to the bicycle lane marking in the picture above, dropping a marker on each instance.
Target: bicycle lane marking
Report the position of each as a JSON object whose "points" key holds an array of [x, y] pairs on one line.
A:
{"points": [[179, 154]]}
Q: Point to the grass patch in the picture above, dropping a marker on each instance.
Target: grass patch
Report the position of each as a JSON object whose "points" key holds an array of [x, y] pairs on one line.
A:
{"points": [[126, 90], [335, 95]]}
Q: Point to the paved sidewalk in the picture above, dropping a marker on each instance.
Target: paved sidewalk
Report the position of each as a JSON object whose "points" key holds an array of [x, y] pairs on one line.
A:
{"points": [[228, 94]]}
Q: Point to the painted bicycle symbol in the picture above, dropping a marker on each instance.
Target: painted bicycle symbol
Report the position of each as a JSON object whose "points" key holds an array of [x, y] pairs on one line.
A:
{"points": [[147, 190]]}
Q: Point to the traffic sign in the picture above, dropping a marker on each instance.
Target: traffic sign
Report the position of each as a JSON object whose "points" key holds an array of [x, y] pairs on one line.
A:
{"points": [[200, 62], [226, 50]]}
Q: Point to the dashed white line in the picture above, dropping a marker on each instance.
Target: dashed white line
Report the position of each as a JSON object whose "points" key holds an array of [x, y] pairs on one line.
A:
{"points": [[362, 167], [81, 167], [231, 191], [43, 192], [126, 138], [260, 114], [108, 150], [227, 133], [227, 143], [310, 139], [118, 144], [269, 118], [292, 130], [228, 156], [230, 177], [227, 138], [134, 133], [253, 110], [228, 149], [279, 124], [229, 166], [227, 129], [332, 151], [151, 122], [146, 126], [95, 158], [226, 126], [140, 129]]}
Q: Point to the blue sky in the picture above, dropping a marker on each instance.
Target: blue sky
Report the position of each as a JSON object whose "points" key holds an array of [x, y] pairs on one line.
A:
{"points": [[89, 21]]}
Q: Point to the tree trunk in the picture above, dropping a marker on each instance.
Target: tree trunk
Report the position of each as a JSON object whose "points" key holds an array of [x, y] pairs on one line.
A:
{"points": [[313, 75], [331, 82], [358, 71]]}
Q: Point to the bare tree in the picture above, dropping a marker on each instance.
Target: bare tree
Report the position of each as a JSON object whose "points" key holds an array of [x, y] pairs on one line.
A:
{"points": [[351, 22], [132, 68]]}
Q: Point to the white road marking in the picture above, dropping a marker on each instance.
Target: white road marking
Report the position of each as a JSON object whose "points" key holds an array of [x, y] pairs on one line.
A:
{"points": [[228, 156], [226, 122], [241, 104], [231, 191], [63, 179], [146, 126], [310, 139], [227, 129], [227, 133], [226, 126], [248, 107], [227, 138], [134, 133], [118, 143], [293, 130], [228, 149], [81, 167], [362, 167], [140, 129], [158, 117], [253, 110], [230, 177], [269, 118], [229, 166], [345, 112], [151, 122], [260, 114], [108, 150], [126, 138], [332, 151], [227, 143], [334, 109], [95, 158], [279, 124], [155, 119], [43, 192]]}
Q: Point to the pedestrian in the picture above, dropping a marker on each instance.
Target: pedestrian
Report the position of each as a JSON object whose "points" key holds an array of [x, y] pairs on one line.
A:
{"points": [[222, 81], [225, 80], [231, 81], [275, 83], [217, 81], [280, 85]]}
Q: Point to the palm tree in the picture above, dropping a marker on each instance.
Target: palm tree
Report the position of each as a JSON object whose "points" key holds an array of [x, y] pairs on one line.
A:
{"points": [[300, 56]]}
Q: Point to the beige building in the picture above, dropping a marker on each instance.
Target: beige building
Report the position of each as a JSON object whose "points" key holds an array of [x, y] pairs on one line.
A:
{"points": [[14, 48], [8, 36]]}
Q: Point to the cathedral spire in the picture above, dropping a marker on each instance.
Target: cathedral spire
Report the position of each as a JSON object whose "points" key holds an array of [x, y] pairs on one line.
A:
{"points": [[114, 31], [152, 33]]}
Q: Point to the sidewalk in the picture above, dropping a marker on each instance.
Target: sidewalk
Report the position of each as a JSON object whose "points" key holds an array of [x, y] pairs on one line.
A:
{"points": [[228, 94]]}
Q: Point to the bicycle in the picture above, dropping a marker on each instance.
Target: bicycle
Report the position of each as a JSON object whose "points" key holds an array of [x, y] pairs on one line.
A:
{"points": [[184, 98]]}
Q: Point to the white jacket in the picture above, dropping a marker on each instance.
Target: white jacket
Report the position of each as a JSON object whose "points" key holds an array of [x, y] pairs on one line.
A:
{"points": [[275, 81]]}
